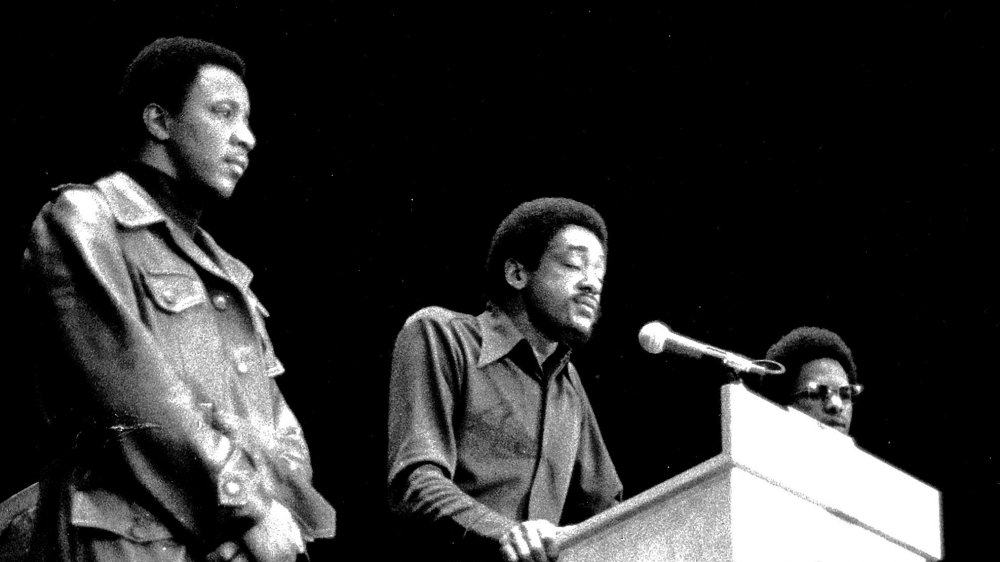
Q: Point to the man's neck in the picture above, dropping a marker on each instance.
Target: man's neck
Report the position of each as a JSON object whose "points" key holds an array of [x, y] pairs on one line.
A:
{"points": [[178, 204], [541, 345]]}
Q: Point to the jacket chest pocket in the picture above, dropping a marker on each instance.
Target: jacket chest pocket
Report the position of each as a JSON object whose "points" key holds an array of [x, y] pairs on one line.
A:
{"points": [[174, 292], [179, 318]]}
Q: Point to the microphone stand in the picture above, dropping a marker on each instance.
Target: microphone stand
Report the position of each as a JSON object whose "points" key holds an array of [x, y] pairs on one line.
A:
{"points": [[737, 368]]}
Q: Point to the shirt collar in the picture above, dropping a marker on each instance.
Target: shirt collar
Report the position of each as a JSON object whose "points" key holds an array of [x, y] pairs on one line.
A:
{"points": [[500, 336]]}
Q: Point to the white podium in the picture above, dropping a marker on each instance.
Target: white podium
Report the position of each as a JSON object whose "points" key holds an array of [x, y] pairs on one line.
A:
{"points": [[784, 488]]}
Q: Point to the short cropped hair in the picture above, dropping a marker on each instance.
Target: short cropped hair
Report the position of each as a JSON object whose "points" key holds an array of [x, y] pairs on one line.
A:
{"points": [[800, 346], [527, 231], [163, 73]]}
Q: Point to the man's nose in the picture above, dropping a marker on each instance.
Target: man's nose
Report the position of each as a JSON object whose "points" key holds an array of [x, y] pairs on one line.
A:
{"points": [[833, 404], [245, 136], [591, 282]]}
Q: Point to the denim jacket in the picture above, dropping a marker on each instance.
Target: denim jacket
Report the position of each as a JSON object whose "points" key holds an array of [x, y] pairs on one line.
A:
{"points": [[161, 389]]}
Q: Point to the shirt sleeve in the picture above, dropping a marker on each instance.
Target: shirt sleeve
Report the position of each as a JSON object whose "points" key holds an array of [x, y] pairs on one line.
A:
{"points": [[423, 388], [204, 478]]}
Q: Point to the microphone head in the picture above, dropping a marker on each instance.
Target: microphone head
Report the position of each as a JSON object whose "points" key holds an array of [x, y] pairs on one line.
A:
{"points": [[653, 337]]}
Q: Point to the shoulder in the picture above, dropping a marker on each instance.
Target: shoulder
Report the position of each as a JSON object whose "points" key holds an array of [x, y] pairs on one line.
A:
{"points": [[439, 316], [77, 204], [77, 221], [438, 323], [78, 211]]}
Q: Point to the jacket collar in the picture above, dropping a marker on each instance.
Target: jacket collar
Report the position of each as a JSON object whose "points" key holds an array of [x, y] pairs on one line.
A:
{"points": [[131, 205], [133, 208]]}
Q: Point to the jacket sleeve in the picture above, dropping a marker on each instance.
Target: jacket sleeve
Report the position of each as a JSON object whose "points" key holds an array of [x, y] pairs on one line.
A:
{"points": [[315, 515], [422, 443], [283, 461], [203, 478]]}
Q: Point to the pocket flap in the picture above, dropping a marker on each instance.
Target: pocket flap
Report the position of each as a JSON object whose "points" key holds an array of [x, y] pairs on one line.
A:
{"points": [[173, 291]]}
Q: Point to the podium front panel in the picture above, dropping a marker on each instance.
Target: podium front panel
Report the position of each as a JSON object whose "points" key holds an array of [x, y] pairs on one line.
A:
{"points": [[667, 530], [772, 524]]}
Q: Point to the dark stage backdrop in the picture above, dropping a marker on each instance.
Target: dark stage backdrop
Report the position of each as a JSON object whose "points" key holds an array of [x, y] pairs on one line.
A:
{"points": [[761, 167]]}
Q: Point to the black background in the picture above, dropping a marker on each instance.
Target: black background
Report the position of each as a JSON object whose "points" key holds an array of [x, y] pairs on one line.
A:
{"points": [[761, 167]]}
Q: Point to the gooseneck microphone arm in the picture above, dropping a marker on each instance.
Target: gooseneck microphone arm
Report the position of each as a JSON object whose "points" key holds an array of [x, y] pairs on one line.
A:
{"points": [[656, 337]]}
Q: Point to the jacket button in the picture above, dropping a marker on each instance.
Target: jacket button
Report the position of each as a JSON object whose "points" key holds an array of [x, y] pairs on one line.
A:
{"points": [[232, 488], [169, 296], [242, 368], [220, 302]]}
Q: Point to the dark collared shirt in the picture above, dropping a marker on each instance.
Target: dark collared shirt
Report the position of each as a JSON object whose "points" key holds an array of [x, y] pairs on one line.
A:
{"points": [[481, 436]]}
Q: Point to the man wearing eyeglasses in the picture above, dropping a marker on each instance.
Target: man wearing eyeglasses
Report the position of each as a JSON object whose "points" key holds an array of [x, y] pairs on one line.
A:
{"points": [[820, 377]]}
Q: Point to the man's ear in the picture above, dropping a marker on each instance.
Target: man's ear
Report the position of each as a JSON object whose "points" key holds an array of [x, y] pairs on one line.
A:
{"points": [[156, 120], [515, 274]]}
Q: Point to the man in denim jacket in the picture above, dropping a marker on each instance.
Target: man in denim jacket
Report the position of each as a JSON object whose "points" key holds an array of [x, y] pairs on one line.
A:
{"points": [[168, 436]]}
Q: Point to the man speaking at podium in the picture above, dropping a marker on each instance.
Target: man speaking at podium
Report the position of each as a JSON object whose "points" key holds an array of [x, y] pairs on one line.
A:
{"points": [[493, 444]]}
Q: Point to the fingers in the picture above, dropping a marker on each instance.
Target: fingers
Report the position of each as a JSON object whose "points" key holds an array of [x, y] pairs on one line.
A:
{"points": [[535, 547], [226, 552], [276, 538], [551, 546], [517, 548], [297, 540], [514, 547], [531, 541], [287, 527]]}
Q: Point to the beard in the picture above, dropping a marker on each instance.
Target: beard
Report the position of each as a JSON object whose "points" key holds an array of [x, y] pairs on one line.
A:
{"points": [[553, 320]]}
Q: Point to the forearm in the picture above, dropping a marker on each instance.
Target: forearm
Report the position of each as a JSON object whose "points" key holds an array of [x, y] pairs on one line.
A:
{"points": [[426, 496]]}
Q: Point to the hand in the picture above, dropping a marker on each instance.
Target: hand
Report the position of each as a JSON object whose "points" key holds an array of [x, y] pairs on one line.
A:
{"points": [[276, 538], [227, 552], [531, 541]]}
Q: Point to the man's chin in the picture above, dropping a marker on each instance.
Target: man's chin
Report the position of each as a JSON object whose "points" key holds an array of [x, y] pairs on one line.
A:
{"points": [[842, 428], [577, 333], [572, 330], [225, 188], [838, 425]]}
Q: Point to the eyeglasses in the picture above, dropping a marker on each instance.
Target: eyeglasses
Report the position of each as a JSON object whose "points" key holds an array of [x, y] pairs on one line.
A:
{"points": [[822, 392]]}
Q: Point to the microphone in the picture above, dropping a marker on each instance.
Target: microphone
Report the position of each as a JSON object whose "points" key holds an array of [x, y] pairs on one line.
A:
{"points": [[656, 337]]}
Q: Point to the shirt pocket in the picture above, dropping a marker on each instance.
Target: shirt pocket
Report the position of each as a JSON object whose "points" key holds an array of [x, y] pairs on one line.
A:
{"points": [[173, 291]]}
